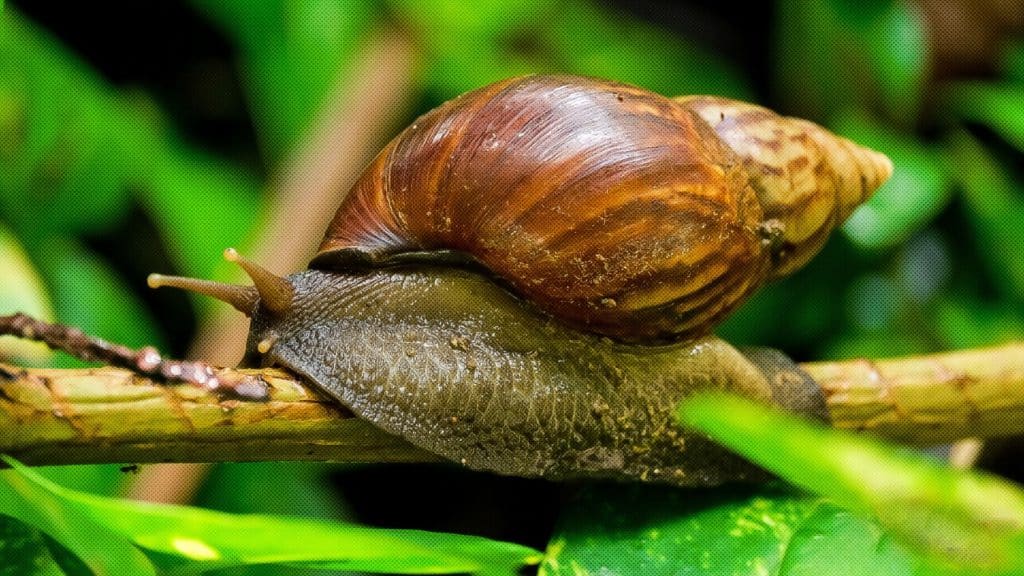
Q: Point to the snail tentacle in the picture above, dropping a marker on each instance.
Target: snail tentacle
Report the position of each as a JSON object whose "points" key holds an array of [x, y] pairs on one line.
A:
{"points": [[276, 292], [242, 298]]}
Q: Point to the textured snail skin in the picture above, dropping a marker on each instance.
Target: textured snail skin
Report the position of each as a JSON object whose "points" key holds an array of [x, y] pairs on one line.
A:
{"points": [[617, 210], [454, 363]]}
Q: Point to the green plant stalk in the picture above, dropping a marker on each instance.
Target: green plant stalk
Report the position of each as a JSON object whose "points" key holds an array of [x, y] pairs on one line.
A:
{"points": [[103, 415]]}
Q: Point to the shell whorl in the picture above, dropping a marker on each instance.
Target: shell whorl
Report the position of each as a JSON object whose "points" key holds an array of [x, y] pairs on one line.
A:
{"points": [[611, 208], [807, 179]]}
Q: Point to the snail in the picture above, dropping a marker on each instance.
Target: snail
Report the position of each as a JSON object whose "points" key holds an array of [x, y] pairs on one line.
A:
{"points": [[526, 279]]}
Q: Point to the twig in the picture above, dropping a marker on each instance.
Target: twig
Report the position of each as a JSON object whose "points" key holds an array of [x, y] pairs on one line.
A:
{"points": [[358, 117], [146, 361]]}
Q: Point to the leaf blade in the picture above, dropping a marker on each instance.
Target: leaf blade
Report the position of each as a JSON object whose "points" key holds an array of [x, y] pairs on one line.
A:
{"points": [[218, 540], [955, 518]]}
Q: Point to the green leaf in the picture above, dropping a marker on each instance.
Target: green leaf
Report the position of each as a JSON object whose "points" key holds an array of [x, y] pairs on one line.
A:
{"points": [[185, 180], [68, 563], [805, 80], [731, 530], [484, 18], [21, 291], [834, 541], [955, 519], [807, 300], [293, 54], [997, 106], [245, 487], [995, 208], [105, 479], [63, 168], [920, 186], [881, 45], [450, 73], [897, 46], [591, 40], [469, 48], [69, 158], [1013, 60], [966, 321], [654, 530], [24, 551], [219, 540], [102, 551], [873, 301], [861, 14]]}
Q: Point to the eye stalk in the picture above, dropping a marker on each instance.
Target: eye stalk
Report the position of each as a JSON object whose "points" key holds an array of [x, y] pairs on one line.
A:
{"points": [[243, 298], [275, 292]]}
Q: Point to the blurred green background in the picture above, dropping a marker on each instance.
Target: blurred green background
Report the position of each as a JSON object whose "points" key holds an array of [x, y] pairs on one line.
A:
{"points": [[138, 138]]}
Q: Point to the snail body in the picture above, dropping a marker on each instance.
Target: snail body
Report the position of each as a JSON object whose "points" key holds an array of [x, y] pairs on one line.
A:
{"points": [[525, 280], [455, 363]]}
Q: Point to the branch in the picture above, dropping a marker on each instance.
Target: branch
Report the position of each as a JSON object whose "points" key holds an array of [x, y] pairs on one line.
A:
{"points": [[61, 416], [932, 399], [93, 415]]}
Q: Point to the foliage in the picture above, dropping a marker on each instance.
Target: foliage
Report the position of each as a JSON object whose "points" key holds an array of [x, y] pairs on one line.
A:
{"points": [[102, 176], [117, 537], [954, 521]]}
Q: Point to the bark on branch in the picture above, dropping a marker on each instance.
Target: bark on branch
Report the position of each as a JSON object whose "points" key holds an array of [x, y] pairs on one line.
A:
{"points": [[61, 416], [75, 416], [931, 399]]}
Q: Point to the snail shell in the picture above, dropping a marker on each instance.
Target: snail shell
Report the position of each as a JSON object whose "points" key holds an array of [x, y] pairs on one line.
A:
{"points": [[609, 207]]}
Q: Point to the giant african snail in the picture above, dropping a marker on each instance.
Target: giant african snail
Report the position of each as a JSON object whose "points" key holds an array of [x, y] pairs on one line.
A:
{"points": [[525, 279]]}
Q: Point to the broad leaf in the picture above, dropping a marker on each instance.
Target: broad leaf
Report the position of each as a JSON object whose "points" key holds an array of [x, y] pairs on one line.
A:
{"points": [[105, 553], [21, 291], [654, 530], [173, 534], [994, 202], [953, 519], [293, 54], [23, 551], [996, 105]]}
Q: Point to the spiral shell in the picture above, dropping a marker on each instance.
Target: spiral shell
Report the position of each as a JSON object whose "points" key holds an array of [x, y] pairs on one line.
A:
{"points": [[808, 180], [611, 208]]}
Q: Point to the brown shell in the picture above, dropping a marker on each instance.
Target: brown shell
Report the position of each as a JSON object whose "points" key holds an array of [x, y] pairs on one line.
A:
{"points": [[611, 208], [807, 179]]}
